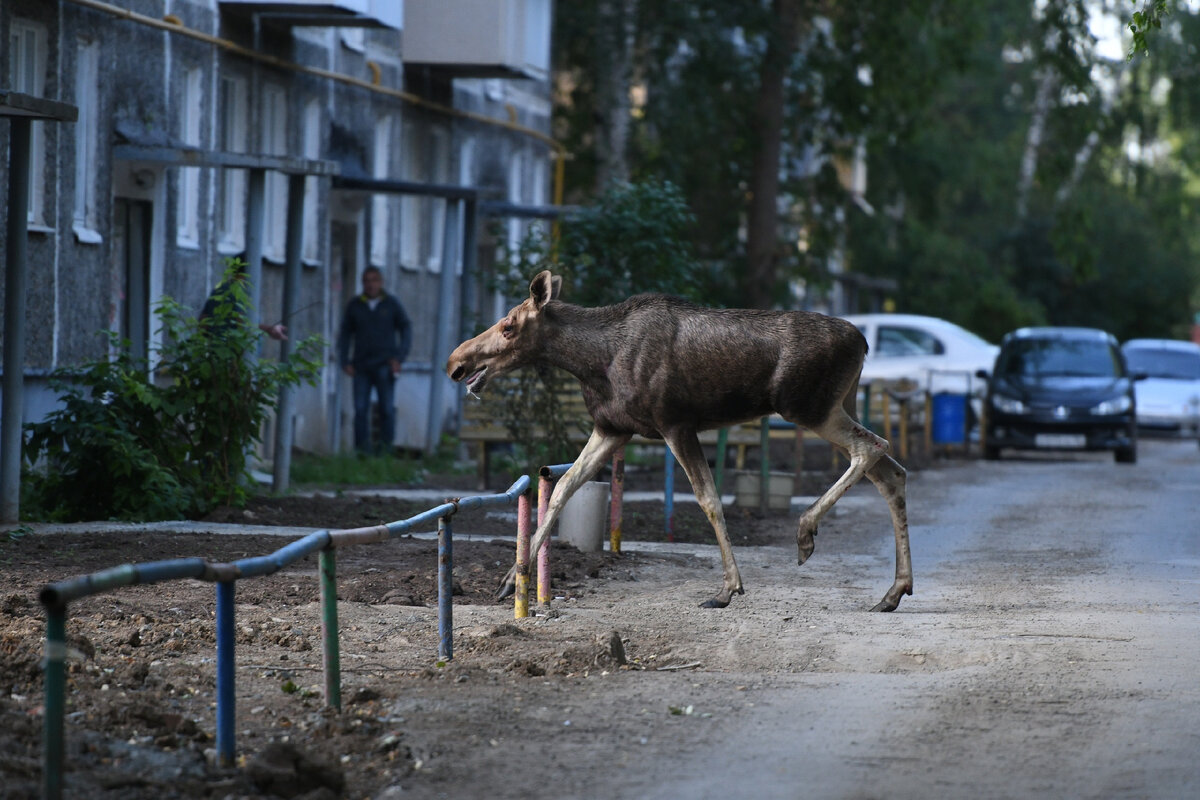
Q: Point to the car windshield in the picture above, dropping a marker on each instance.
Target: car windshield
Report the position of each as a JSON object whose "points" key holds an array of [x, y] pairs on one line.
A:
{"points": [[1036, 358], [1164, 363]]}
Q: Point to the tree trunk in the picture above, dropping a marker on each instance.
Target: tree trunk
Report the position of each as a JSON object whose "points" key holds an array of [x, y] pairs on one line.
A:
{"points": [[1042, 104], [616, 28], [762, 223]]}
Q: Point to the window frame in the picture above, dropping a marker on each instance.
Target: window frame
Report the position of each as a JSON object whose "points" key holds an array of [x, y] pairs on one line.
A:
{"points": [[23, 33], [87, 82], [191, 120], [234, 132]]}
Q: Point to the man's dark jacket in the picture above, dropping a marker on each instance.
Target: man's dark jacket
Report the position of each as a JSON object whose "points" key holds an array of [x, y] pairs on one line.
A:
{"points": [[373, 333]]}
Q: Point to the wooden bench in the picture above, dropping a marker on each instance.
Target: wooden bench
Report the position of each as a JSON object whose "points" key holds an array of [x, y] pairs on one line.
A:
{"points": [[481, 425]]}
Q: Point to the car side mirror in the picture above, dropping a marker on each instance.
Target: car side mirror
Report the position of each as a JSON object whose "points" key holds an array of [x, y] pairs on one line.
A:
{"points": [[1139, 376], [982, 373]]}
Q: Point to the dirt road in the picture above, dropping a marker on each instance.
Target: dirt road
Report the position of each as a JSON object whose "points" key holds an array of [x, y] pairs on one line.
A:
{"points": [[1051, 650]]}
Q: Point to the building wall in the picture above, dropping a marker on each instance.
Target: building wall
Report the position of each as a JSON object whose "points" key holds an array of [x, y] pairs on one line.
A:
{"points": [[77, 283]]}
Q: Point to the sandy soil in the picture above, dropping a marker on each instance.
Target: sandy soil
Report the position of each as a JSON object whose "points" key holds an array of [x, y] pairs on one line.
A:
{"points": [[1049, 651]]}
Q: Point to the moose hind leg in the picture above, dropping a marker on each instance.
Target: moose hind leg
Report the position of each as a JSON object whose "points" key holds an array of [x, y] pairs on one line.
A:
{"points": [[863, 448], [687, 449], [890, 479]]}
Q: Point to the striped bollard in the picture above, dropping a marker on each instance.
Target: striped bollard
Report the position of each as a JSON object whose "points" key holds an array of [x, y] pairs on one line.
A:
{"points": [[545, 487], [524, 532], [617, 501]]}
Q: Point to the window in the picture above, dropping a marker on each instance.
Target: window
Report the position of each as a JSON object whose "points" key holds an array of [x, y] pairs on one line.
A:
{"points": [[232, 135], [381, 204], [312, 150], [896, 341], [86, 135], [438, 207], [466, 177], [273, 141], [516, 194], [27, 70], [411, 206], [187, 217]]}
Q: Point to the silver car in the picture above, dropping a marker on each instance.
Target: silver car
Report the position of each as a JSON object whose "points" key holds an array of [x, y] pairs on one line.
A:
{"points": [[1168, 400]]}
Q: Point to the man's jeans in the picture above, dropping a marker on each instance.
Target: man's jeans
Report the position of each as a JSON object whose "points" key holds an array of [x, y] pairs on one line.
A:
{"points": [[381, 379]]}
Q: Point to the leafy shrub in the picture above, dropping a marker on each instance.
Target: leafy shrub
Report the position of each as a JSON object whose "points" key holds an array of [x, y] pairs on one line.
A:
{"points": [[136, 443]]}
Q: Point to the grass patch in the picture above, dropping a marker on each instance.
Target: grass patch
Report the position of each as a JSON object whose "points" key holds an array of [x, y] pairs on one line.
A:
{"points": [[350, 469]]}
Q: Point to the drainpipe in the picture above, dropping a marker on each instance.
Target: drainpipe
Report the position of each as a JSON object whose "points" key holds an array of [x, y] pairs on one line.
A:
{"points": [[15, 279], [291, 295]]}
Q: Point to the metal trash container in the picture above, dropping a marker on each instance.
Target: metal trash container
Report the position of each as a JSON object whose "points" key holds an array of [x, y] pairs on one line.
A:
{"points": [[949, 418]]}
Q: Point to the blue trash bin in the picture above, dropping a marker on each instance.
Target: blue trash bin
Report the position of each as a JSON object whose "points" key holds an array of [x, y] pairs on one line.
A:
{"points": [[949, 418]]}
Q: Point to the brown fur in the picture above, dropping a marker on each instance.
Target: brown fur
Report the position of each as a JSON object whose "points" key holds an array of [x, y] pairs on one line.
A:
{"points": [[660, 366]]}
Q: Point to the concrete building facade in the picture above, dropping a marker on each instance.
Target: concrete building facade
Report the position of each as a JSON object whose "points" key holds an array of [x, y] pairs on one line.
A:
{"points": [[136, 200]]}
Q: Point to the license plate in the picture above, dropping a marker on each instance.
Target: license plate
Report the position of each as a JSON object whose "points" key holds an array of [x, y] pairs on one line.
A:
{"points": [[1060, 440]]}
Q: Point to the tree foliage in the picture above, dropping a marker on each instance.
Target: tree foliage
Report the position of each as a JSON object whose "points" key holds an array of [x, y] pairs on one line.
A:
{"points": [[1016, 171], [167, 439]]}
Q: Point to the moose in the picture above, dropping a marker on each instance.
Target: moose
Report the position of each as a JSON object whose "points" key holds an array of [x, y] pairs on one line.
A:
{"points": [[663, 367]]}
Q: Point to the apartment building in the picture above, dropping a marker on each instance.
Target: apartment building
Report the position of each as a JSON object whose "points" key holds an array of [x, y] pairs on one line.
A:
{"points": [[398, 126]]}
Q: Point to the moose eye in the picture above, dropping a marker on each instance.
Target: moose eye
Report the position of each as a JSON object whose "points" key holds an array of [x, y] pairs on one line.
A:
{"points": [[507, 327]]}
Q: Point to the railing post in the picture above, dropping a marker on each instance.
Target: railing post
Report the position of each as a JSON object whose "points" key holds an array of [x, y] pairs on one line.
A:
{"points": [[722, 448], [545, 487], [226, 692], [669, 495], [445, 589], [55, 707], [764, 468], [524, 532], [327, 563], [617, 502]]}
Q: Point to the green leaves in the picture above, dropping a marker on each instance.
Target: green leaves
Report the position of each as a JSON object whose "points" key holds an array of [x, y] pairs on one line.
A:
{"points": [[135, 443], [1149, 18]]}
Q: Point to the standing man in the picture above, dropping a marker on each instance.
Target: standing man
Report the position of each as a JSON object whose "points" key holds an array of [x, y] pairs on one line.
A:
{"points": [[378, 329]]}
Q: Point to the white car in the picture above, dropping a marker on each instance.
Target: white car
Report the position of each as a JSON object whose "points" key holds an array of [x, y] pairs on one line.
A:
{"points": [[1168, 399], [939, 355]]}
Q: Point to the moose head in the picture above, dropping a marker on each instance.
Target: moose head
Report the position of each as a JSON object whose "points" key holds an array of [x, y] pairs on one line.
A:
{"points": [[512, 342]]}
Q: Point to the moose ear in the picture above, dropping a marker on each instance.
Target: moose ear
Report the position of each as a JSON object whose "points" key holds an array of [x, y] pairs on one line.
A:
{"points": [[544, 288]]}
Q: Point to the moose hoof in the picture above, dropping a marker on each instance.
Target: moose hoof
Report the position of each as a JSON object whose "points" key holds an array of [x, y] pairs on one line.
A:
{"points": [[722, 599], [805, 544], [886, 605], [507, 589]]}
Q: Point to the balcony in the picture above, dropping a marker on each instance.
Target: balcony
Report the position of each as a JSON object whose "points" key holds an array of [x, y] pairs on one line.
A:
{"points": [[479, 38], [323, 14]]}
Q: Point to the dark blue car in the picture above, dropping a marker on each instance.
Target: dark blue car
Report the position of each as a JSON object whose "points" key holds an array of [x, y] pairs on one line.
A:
{"points": [[1060, 389]]}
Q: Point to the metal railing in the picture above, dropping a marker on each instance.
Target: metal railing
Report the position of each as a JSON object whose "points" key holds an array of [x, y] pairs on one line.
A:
{"points": [[56, 598]]}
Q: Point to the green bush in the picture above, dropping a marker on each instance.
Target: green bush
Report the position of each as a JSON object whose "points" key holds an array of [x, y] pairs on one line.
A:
{"points": [[133, 442]]}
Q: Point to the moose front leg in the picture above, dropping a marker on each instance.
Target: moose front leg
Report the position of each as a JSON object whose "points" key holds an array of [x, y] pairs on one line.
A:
{"points": [[596, 453], [890, 479], [686, 447]]}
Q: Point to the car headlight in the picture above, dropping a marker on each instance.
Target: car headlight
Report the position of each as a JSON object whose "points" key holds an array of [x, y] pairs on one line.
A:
{"points": [[1009, 405], [1116, 405]]}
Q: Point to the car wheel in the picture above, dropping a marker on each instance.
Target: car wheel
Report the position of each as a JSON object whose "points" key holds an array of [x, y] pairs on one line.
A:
{"points": [[991, 453], [1126, 455]]}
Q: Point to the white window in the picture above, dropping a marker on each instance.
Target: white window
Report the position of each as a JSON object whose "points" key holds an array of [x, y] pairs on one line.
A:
{"points": [[86, 135], [187, 216], [439, 157], [466, 177], [273, 141], [312, 150], [538, 191], [232, 138], [27, 71], [381, 204], [410, 205], [516, 194]]}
